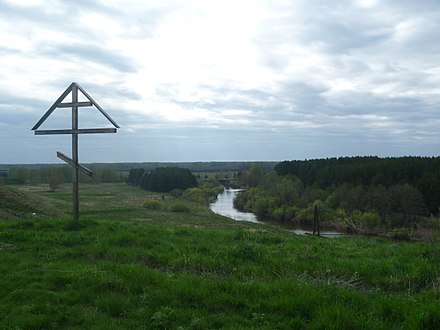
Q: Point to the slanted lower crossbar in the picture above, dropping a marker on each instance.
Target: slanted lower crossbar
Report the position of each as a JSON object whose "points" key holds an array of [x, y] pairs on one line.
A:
{"points": [[70, 161]]}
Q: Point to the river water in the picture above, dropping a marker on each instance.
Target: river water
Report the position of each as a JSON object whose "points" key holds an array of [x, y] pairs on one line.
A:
{"points": [[224, 205]]}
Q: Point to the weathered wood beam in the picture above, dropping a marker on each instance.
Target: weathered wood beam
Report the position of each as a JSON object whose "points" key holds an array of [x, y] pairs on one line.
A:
{"points": [[75, 159], [75, 131], [53, 107], [70, 161], [77, 104], [58, 104], [97, 106]]}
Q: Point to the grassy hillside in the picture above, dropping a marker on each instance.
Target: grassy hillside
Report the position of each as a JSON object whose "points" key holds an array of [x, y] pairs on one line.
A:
{"points": [[123, 266], [17, 204]]}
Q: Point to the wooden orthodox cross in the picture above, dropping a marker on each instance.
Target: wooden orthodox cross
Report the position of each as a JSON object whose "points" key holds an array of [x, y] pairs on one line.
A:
{"points": [[75, 131]]}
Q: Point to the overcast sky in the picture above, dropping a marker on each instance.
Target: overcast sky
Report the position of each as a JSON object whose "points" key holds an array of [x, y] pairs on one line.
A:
{"points": [[198, 80]]}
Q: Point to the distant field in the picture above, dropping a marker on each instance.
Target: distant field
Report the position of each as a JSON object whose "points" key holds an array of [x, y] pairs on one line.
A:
{"points": [[124, 266]]}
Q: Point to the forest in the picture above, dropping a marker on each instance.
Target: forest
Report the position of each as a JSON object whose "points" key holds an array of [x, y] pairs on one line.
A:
{"points": [[42, 174], [162, 179], [359, 194]]}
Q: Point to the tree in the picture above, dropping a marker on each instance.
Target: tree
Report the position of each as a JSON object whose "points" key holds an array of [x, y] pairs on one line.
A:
{"points": [[287, 191], [135, 176], [407, 200], [54, 182], [165, 179], [255, 175], [18, 175], [377, 198]]}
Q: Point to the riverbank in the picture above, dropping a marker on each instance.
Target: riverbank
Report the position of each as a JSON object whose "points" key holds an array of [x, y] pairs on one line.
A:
{"points": [[350, 226], [224, 205]]}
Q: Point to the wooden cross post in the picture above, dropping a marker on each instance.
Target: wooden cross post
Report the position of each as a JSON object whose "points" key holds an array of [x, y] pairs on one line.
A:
{"points": [[75, 131], [75, 170], [316, 220]]}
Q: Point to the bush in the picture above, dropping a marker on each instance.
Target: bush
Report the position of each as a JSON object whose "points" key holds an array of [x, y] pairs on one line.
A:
{"points": [[306, 215], [370, 219], [290, 212], [279, 213], [180, 207], [195, 195], [176, 192], [152, 204]]}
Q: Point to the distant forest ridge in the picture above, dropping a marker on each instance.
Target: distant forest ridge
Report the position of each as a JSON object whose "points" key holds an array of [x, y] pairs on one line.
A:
{"points": [[361, 170], [322, 170], [299, 166], [422, 173], [216, 166], [281, 166]]}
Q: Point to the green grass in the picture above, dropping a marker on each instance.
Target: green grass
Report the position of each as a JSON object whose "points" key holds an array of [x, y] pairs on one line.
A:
{"points": [[18, 204], [124, 266]]}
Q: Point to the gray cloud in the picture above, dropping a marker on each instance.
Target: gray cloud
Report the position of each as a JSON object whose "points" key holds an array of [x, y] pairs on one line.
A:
{"points": [[338, 78], [92, 53]]}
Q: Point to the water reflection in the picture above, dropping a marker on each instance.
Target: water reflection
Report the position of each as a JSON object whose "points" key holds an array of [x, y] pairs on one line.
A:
{"points": [[224, 205]]}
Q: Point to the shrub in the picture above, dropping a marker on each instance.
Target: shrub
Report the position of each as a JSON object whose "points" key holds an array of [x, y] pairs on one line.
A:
{"points": [[163, 318], [180, 207], [279, 213], [176, 192], [152, 204], [371, 219], [290, 212], [194, 195], [305, 216]]}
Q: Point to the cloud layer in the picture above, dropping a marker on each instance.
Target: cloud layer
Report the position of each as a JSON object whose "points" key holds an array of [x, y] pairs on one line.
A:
{"points": [[223, 80]]}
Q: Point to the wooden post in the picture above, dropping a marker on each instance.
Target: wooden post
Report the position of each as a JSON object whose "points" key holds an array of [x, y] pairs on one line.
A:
{"points": [[316, 221], [75, 172]]}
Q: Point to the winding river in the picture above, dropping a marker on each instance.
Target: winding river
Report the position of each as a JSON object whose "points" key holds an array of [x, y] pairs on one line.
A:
{"points": [[224, 205]]}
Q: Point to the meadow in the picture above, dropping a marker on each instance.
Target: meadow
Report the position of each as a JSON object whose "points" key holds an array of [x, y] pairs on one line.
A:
{"points": [[123, 266]]}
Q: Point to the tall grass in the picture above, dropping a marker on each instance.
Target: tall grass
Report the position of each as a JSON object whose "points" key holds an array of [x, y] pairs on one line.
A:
{"points": [[131, 267]]}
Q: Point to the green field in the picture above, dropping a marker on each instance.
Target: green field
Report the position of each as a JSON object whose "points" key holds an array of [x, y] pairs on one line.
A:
{"points": [[124, 266]]}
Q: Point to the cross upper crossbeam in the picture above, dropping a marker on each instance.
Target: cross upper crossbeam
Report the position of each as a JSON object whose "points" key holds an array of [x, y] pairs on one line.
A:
{"points": [[75, 131], [77, 104]]}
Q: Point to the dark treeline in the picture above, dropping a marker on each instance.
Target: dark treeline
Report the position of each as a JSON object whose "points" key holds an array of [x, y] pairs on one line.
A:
{"points": [[422, 173], [195, 167], [150, 166], [60, 173], [162, 179], [362, 194]]}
